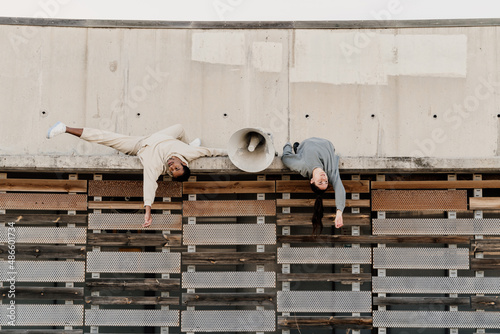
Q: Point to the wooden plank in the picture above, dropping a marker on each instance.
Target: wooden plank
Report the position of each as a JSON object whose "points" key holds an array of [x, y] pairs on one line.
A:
{"points": [[35, 201], [106, 300], [419, 200], [229, 208], [133, 205], [38, 185], [43, 219], [304, 186], [461, 184], [306, 203], [297, 219], [484, 264], [44, 252], [127, 239], [51, 293], [374, 239], [458, 301], [216, 258], [42, 331], [130, 188], [228, 187], [228, 299], [148, 284], [304, 322], [325, 277], [485, 302], [485, 245], [484, 203]]}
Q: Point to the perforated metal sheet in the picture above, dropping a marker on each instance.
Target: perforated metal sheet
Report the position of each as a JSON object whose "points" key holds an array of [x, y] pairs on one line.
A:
{"points": [[135, 318], [436, 226], [228, 321], [230, 279], [324, 301], [43, 271], [436, 284], [421, 258], [416, 200], [32, 201], [115, 188], [324, 255], [123, 221], [436, 319], [228, 208], [44, 315], [46, 235], [120, 262], [229, 234]]}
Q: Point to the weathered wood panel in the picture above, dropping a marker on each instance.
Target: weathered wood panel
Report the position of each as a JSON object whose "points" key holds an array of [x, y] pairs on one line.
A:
{"points": [[107, 300], [228, 299], [485, 302], [50, 293], [44, 252], [484, 203], [296, 219], [128, 239], [417, 200], [484, 264], [39, 185], [304, 186], [216, 258], [421, 301], [309, 203], [35, 201], [324, 277], [43, 219], [147, 284], [297, 322]]}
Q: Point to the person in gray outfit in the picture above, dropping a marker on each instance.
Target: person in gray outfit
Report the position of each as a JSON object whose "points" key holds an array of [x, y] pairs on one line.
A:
{"points": [[316, 160]]}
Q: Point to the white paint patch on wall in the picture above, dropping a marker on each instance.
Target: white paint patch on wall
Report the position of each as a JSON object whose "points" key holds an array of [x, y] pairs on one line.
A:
{"points": [[267, 56], [219, 47], [371, 57]]}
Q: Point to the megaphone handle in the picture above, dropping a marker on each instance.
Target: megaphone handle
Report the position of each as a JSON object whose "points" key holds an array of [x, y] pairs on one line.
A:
{"points": [[254, 141]]}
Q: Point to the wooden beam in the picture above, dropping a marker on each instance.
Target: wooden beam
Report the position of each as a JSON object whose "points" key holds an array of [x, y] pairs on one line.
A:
{"points": [[215, 258], [297, 219], [419, 200], [130, 188], [228, 299], [42, 331], [35, 201], [50, 293], [44, 252], [228, 187], [39, 185], [485, 302], [485, 245], [484, 203], [324, 277], [374, 239], [462, 184], [106, 300], [459, 301], [128, 239], [304, 186], [484, 264], [306, 203], [43, 219], [132, 205], [297, 322], [148, 284]]}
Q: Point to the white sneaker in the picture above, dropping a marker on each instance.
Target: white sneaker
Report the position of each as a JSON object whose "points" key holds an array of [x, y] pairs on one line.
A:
{"points": [[196, 142], [56, 129]]}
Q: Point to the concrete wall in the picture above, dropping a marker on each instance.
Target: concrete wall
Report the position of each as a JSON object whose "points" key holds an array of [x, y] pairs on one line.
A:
{"points": [[384, 97]]}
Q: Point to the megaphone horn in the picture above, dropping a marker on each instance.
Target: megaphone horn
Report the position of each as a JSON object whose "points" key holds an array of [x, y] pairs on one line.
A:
{"points": [[251, 149]]}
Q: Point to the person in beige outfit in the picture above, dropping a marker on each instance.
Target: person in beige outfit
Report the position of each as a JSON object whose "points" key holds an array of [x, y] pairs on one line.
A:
{"points": [[166, 151]]}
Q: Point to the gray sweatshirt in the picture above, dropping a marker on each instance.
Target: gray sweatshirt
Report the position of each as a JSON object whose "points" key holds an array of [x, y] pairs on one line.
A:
{"points": [[312, 153]]}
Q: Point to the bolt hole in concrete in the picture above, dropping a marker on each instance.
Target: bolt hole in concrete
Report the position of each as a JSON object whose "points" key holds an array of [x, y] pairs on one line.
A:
{"points": [[435, 116], [307, 115], [44, 113], [138, 114], [373, 116], [224, 115], [498, 115]]}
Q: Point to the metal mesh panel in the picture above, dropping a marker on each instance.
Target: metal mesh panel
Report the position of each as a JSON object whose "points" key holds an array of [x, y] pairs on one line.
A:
{"points": [[421, 258], [96, 317], [122, 221], [324, 255], [114, 188], [436, 226], [31, 201], [119, 262], [43, 271], [436, 284], [46, 235], [437, 319], [324, 301], [228, 208], [247, 279], [44, 315], [229, 234], [228, 321], [415, 200]]}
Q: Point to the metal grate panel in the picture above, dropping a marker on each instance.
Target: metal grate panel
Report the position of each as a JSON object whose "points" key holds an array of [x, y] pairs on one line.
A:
{"points": [[43, 271], [436, 285], [436, 319], [121, 262], [123, 221], [136, 318], [436, 226], [32, 201], [44, 315], [228, 321], [421, 258], [324, 301], [229, 234], [324, 255], [249, 279], [415, 200], [228, 208], [46, 235], [115, 188]]}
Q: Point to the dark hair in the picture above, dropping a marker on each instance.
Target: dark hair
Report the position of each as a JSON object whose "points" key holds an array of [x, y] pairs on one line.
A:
{"points": [[318, 210], [185, 176]]}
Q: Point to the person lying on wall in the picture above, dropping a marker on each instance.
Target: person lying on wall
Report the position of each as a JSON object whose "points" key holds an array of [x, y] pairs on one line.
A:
{"points": [[316, 160], [166, 151]]}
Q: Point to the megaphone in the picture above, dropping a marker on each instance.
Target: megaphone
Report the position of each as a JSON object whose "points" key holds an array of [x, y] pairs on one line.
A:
{"points": [[251, 149]]}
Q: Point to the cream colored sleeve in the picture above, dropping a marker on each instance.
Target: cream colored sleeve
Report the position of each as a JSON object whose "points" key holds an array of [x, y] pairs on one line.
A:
{"points": [[150, 185]]}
